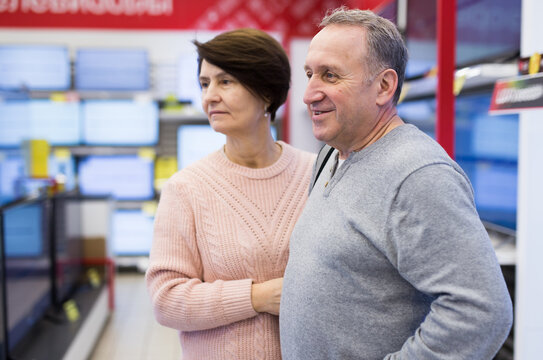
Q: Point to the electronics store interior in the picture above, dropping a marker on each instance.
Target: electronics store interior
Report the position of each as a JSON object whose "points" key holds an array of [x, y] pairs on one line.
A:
{"points": [[100, 105]]}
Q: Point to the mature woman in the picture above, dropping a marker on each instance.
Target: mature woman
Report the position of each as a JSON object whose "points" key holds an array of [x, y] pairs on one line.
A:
{"points": [[223, 224]]}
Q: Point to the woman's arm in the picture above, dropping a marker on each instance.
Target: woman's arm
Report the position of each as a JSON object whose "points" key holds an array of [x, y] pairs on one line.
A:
{"points": [[180, 298]]}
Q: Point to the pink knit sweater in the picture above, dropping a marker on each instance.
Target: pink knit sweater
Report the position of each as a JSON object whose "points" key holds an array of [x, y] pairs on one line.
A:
{"points": [[220, 227]]}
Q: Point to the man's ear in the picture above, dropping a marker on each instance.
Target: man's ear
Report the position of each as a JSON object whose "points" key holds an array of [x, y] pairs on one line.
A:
{"points": [[388, 82]]}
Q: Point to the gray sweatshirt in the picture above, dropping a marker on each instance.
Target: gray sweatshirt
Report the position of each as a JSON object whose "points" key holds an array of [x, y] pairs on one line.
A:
{"points": [[390, 260]]}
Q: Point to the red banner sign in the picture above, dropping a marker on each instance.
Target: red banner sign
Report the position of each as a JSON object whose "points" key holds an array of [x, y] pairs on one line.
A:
{"points": [[292, 18]]}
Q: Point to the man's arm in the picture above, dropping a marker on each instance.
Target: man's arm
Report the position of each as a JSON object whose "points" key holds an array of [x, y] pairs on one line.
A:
{"points": [[444, 251]]}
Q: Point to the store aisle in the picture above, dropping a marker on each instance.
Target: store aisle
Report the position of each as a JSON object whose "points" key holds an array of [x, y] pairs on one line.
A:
{"points": [[132, 333]]}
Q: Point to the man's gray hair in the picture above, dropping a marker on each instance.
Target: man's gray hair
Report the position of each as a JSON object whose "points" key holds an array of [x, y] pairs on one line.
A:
{"points": [[385, 46]]}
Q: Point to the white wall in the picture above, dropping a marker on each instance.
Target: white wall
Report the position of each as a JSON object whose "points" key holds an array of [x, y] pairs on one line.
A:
{"points": [[529, 283], [300, 128]]}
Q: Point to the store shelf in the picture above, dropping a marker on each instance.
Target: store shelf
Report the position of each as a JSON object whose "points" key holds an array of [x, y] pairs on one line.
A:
{"points": [[476, 77], [187, 115], [54, 337]]}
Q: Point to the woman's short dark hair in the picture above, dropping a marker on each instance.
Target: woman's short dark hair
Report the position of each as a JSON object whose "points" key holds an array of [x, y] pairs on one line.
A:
{"points": [[254, 58]]}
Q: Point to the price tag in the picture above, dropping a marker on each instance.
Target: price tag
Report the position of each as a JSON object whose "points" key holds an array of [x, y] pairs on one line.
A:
{"points": [[459, 82], [62, 153], [149, 208], [147, 153], [94, 277], [533, 67], [71, 310]]}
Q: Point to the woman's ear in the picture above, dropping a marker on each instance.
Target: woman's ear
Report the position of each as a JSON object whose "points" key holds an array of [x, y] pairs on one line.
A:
{"points": [[388, 82]]}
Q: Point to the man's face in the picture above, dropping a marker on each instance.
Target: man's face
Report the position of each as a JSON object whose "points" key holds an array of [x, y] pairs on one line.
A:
{"points": [[339, 97]]}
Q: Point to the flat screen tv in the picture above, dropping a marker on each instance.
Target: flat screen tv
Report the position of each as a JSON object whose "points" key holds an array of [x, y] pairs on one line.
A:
{"points": [[486, 147], [14, 184], [195, 141], [27, 265], [66, 246], [132, 232], [54, 121], [11, 170], [120, 122], [111, 69], [124, 177], [34, 67], [487, 31]]}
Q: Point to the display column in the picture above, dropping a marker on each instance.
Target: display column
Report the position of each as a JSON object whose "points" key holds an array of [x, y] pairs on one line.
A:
{"points": [[529, 286]]}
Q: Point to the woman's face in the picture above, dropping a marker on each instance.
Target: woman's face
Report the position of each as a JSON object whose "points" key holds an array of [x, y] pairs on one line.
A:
{"points": [[230, 107]]}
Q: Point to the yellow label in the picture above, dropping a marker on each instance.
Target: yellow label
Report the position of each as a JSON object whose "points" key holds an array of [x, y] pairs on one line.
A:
{"points": [[37, 156], [533, 67], [62, 153], [71, 310], [59, 97], [459, 82], [165, 166], [149, 208], [147, 153], [94, 277], [403, 93]]}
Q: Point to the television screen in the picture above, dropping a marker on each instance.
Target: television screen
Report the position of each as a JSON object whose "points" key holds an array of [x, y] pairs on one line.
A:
{"points": [[14, 183], [478, 22], [11, 170], [132, 232], [34, 67], [112, 69], [67, 246], [27, 265], [486, 147], [120, 122], [125, 177], [56, 122], [195, 141]]}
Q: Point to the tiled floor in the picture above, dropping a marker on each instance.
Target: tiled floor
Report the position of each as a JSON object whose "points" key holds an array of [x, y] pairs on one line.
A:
{"points": [[132, 333]]}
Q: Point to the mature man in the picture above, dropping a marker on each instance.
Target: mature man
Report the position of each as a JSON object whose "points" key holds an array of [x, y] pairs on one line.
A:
{"points": [[389, 258]]}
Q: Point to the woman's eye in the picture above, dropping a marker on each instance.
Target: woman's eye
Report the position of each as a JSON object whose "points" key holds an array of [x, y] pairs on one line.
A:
{"points": [[308, 74], [204, 85], [225, 81]]}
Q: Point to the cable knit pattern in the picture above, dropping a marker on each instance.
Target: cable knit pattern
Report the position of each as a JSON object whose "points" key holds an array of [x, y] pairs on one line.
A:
{"points": [[220, 227]]}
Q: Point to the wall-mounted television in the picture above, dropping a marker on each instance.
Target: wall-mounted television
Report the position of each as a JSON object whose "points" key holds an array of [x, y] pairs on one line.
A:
{"points": [[131, 232], [120, 122], [27, 265], [124, 177], [11, 170], [34, 67], [487, 31], [112, 69], [56, 122], [195, 141], [14, 183]]}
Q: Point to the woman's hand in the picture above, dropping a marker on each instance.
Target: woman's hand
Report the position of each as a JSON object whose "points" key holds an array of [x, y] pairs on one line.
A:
{"points": [[266, 296]]}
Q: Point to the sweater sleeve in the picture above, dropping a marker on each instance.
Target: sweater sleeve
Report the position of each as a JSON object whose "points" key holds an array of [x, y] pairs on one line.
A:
{"points": [[444, 251], [180, 298]]}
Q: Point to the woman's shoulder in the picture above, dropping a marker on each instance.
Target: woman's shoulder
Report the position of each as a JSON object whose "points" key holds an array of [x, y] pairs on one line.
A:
{"points": [[192, 173], [303, 155]]}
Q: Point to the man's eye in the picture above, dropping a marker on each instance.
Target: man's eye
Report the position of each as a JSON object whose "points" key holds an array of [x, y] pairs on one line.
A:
{"points": [[330, 76], [204, 85], [308, 74]]}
